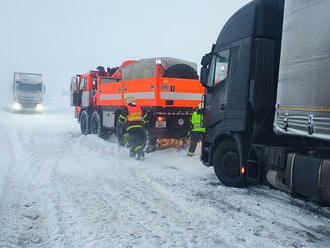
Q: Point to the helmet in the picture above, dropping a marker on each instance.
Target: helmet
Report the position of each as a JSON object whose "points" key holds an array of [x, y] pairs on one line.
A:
{"points": [[129, 99], [201, 105]]}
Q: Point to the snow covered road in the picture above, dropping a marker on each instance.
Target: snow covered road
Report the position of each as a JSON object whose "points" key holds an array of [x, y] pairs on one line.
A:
{"points": [[61, 189]]}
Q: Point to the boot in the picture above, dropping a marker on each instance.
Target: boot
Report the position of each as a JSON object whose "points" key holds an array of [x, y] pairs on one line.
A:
{"points": [[140, 154], [190, 154], [132, 153], [150, 149]]}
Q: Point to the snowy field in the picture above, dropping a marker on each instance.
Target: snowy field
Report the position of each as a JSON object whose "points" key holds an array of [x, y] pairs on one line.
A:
{"points": [[61, 189]]}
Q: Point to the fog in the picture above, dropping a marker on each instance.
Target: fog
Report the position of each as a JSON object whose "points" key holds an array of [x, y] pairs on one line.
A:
{"points": [[62, 38]]}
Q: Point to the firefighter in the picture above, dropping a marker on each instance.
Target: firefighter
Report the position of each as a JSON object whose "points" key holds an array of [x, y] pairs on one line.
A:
{"points": [[134, 125], [197, 131]]}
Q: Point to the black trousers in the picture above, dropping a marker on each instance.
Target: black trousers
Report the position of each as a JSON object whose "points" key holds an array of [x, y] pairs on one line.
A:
{"points": [[196, 136], [136, 138]]}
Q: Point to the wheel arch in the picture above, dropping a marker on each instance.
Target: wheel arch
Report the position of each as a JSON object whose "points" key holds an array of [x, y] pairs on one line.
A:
{"points": [[228, 156], [240, 143]]}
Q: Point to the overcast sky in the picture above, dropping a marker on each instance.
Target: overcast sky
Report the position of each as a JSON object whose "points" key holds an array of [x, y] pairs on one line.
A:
{"points": [[61, 38]]}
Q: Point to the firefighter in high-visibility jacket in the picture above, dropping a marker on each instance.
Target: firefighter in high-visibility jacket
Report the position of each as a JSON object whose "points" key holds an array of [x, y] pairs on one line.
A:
{"points": [[135, 135], [197, 131]]}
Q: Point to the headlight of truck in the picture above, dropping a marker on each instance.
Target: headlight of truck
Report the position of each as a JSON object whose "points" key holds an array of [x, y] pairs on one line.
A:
{"points": [[17, 106], [39, 107]]}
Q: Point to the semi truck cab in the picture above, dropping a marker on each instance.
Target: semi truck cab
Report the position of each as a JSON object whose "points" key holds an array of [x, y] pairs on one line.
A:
{"points": [[240, 78], [28, 91], [251, 76]]}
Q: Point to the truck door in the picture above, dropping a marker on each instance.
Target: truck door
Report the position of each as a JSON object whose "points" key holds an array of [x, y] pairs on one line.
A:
{"points": [[216, 97], [85, 95], [75, 97]]}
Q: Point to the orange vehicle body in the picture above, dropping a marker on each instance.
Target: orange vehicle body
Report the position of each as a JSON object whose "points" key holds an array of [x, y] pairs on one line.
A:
{"points": [[171, 99], [118, 74], [152, 92]]}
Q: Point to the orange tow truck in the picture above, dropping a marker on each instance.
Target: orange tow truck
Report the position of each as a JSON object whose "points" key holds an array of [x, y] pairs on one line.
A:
{"points": [[167, 89]]}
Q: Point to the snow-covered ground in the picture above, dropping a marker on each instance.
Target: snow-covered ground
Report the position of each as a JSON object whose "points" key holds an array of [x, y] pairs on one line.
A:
{"points": [[61, 189]]}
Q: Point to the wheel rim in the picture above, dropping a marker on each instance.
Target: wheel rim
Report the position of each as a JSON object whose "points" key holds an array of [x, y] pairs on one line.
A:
{"points": [[230, 163]]}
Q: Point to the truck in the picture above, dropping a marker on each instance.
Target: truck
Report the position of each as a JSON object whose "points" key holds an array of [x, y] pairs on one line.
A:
{"points": [[266, 106], [28, 91], [167, 89]]}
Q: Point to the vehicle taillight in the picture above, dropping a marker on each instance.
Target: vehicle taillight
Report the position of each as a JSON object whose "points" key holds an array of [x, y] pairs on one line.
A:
{"points": [[160, 118]]}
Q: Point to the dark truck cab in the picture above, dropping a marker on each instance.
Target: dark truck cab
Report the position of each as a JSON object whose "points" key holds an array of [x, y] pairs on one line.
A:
{"points": [[240, 76]]}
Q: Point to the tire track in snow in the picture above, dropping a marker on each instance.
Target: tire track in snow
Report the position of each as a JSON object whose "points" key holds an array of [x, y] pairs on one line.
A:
{"points": [[91, 211], [80, 194], [22, 217], [276, 216], [262, 222], [112, 199], [6, 148], [182, 223], [101, 198]]}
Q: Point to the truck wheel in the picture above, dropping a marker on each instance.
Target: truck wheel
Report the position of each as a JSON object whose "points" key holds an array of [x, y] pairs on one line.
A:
{"points": [[120, 131], [85, 127], [226, 163], [96, 126]]}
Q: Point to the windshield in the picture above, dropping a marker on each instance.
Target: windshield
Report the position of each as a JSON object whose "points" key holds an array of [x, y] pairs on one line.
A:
{"points": [[28, 87], [219, 68], [26, 77]]}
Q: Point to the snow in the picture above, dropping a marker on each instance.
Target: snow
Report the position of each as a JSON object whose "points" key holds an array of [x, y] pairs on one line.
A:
{"points": [[61, 189]]}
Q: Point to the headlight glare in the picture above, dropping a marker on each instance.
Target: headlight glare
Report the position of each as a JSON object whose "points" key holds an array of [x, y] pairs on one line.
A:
{"points": [[17, 106], [39, 107]]}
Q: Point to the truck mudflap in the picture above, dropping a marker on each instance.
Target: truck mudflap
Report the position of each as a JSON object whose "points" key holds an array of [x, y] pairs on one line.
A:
{"points": [[309, 176]]}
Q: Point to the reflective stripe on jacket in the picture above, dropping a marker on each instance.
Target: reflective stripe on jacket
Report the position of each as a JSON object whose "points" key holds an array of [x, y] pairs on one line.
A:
{"points": [[196, 120]]}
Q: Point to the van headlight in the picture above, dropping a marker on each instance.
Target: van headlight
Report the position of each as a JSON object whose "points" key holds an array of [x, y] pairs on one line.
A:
{"points": [[17, 106], [39, 107]]}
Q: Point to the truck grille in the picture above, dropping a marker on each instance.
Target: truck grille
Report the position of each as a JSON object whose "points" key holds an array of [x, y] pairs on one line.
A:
{"points": [[28, 99]]}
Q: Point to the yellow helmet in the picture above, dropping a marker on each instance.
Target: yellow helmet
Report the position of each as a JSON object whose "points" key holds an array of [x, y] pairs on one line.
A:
{"points": [[201, 105], [129, 99]]}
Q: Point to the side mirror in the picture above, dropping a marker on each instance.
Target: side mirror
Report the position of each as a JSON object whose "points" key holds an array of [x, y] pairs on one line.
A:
{"points": [[74, 87], [206, 60], [204, 76]]}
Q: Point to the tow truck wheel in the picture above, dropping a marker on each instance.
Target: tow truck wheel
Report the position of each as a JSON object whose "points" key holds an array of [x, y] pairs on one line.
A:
{"points": [[226, 163], [96, 127], [85, 123]]}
